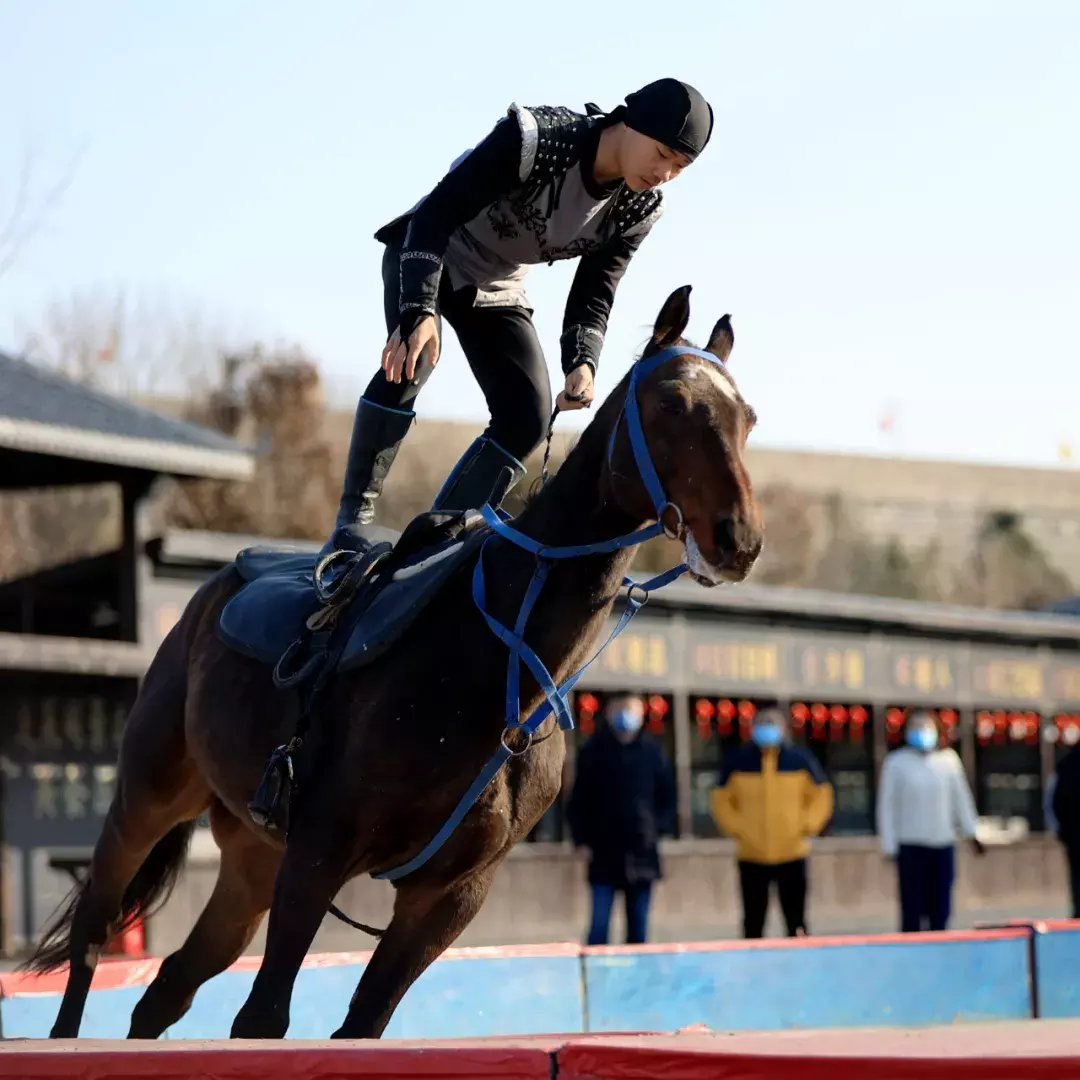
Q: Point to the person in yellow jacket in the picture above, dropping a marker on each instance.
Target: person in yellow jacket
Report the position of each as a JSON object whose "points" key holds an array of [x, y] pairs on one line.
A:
{"points": [[772, 798]]}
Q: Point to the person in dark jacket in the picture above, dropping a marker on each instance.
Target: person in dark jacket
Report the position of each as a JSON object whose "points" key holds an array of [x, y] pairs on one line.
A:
{"points": [[546, 184], [623, 799], [1065, 803]]}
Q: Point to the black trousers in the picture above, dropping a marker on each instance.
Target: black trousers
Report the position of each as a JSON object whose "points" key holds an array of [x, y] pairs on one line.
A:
{"points": [[755, 881], [503, 350], [926, 880]]}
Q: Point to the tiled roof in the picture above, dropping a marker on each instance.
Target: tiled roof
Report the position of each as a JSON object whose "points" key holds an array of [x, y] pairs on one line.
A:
{"points": [[45, 413]]}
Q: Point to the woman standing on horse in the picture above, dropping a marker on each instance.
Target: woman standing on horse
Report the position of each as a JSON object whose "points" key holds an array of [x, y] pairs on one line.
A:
{"points": [[545, 184]]}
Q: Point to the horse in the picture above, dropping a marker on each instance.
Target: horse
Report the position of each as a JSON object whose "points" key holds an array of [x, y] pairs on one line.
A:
{"points": [[394, 744]]}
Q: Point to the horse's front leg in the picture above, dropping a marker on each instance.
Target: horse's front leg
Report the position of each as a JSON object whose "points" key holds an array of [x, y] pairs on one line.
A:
{"points": [[312, 871], [426, 920]]}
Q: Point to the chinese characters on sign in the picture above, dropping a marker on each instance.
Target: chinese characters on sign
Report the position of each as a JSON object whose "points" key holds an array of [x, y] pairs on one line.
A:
{"points": [[52, 728], [71, 792], [748, 663], [1065, 682], [832, 667], [637, 654], [60, 751], [923, 669], [1010, 679]]}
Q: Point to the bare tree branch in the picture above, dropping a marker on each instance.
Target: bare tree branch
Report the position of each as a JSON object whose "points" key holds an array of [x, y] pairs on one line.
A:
{"points": [[27, 218]]}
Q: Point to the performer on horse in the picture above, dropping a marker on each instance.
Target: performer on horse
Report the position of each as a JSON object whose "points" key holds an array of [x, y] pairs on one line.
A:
{"points": [[545, 184]]}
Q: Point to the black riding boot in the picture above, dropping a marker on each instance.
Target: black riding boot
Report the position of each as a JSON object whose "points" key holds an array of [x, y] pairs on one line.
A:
{"points": [[377, 433], [471, 483]]}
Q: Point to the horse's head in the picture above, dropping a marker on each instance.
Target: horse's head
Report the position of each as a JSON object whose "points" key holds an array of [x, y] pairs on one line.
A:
{"points": [[693, 422]]}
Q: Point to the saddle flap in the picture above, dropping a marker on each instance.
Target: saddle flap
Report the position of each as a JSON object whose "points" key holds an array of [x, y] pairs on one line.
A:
{"points": [[401, 599]]}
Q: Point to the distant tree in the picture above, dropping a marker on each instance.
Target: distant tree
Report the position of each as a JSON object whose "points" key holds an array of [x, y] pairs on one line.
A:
{"points": [[1008, 569]]}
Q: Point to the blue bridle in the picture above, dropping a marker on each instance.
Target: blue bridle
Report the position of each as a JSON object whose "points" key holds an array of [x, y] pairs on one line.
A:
{"points": [[520, 653]]}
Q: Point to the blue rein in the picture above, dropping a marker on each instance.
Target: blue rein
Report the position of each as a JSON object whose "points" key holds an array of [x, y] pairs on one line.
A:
{"points": [[514, 639]]}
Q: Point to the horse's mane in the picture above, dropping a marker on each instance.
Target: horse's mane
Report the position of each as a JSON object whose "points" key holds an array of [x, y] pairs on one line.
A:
{"points": [[527, 498]]}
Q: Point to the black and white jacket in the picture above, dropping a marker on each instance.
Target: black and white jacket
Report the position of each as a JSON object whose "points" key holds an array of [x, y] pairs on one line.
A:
{"points": [[522, 196]]}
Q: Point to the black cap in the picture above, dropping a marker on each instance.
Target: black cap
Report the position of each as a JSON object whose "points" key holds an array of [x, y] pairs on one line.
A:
{"points": [[672, 112]]}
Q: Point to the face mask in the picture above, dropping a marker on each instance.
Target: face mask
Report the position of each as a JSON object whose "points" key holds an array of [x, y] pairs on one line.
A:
{"points": [[766, 735], [922, 739], [626, 722]]}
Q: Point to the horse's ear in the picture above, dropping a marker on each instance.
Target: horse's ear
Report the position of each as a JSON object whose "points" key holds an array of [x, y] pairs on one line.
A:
{"points": [[673, 318], [722, 339]]}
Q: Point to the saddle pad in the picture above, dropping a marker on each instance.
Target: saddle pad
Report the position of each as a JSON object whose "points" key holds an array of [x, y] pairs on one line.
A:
{"points": [[254, 562], [268, 614], [402, 599]]}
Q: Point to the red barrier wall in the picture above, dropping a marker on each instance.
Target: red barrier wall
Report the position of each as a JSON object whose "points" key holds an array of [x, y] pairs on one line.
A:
{"points": [[1044, 1050]]}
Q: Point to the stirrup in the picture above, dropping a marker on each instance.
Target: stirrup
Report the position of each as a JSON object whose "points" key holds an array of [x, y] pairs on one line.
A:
{"points": [[269, 806]]}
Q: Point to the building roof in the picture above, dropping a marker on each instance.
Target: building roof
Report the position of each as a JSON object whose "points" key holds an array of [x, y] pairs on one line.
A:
{"points": [[858, 610], [852, 611], [42, 412]]}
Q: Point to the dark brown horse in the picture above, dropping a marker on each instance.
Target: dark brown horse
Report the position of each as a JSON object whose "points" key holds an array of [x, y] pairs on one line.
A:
{"points": [[393, 745]]}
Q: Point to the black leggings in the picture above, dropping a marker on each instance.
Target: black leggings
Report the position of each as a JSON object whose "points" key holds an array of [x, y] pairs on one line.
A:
{"points": [[502, 348]]}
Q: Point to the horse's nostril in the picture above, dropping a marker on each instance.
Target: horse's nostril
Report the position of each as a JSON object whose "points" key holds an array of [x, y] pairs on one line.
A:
{"points": [[724, 533]]}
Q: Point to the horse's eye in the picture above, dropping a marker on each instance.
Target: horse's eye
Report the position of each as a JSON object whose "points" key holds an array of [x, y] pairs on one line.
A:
{"points": [[673, 405]]}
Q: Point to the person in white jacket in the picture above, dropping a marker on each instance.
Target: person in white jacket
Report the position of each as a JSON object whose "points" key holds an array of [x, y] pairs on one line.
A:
{"points": [[924, 802]]}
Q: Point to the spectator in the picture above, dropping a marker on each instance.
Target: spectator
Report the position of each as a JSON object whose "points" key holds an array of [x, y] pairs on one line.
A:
{"points": [[623, 799], [924, 801], [772, 798], [1065, 817]]}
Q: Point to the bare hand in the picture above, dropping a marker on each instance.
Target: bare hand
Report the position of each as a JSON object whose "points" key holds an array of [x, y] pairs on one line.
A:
{"points": [[399, 359], [578, 390]]}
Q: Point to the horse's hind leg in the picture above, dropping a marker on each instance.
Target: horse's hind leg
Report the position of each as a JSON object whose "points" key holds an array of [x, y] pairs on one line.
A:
{"points": [[241, 897], [143, 840], [425, 922]]}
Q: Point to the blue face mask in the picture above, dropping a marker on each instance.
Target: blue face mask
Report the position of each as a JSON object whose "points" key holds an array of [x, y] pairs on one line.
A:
{"points": [[922, 739], [766, 735], [626, 722]]}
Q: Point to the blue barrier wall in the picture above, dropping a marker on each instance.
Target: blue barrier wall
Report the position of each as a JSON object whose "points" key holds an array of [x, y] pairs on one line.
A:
{"points": [[835, 985], [893, 980], [1057, 970], [465, 997]]}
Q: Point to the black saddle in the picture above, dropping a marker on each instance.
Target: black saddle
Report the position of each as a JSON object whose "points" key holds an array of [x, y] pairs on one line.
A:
{"points": [[350, 607]]}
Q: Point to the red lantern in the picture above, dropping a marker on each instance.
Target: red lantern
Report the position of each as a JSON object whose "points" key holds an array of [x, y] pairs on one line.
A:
{"points": [[746, 710], [1032, 737], [587, 708], [799, 715], [725, 713], [656, 710], [704, 711], [858, 717]]}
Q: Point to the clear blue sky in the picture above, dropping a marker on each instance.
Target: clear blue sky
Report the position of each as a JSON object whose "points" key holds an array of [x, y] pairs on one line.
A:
{"points": [[890, 207]]}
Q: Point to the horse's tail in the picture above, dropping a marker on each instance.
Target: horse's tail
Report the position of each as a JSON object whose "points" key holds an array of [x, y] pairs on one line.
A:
{"points": [[149, 889]]}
